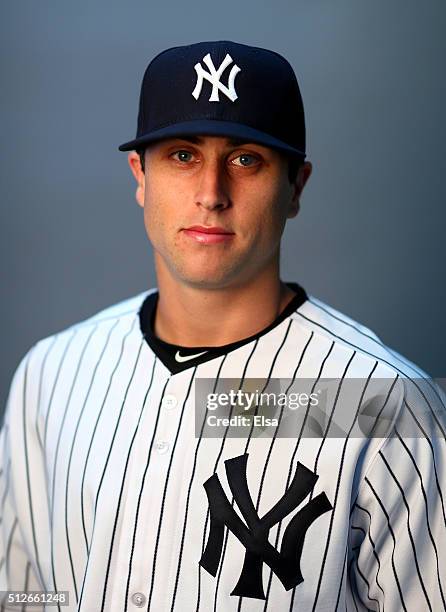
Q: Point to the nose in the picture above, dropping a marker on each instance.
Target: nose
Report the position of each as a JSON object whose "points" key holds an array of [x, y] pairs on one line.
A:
{"points": [[212, 188]]}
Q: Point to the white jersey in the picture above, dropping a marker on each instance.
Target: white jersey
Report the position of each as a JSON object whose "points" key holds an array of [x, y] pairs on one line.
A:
{"points": [[109, 492]]}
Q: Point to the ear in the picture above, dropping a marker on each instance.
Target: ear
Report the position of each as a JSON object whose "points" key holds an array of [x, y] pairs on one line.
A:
{"points": [[137, 171], [302, 177]]}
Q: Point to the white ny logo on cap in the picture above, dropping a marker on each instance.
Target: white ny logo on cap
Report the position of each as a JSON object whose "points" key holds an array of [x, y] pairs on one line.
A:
{"points": [[213, 76]]}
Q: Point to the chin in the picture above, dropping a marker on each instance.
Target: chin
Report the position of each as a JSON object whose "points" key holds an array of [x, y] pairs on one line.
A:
{"points": [[211, 272], [205, 282], [206, 279]]}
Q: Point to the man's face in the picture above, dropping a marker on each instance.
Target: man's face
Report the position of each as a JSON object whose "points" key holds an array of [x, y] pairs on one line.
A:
{"points": [[240, 191]]}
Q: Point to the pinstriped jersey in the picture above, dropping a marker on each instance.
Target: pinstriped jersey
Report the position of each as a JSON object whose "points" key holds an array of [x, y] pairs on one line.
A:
{"points": [[111, 492]]}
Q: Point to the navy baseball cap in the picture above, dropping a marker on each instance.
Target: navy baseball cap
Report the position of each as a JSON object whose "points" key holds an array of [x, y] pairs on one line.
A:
{"points": [[221, 88]]}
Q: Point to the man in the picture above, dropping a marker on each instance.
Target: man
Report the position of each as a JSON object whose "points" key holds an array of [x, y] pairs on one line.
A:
{"points": [[141, 468]]}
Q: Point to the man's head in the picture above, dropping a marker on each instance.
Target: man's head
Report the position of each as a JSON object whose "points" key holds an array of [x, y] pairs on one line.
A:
{"points": [[220, 146]]}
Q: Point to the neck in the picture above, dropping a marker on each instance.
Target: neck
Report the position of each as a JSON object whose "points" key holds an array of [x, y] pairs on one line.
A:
{"points": [[191, 316]]}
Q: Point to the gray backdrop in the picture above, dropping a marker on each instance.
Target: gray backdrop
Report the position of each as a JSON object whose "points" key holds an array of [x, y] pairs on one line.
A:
{"points": [[368, 238]]}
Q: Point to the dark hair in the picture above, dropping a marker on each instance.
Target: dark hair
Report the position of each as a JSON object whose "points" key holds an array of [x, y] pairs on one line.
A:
{"points": [[294, 163]]}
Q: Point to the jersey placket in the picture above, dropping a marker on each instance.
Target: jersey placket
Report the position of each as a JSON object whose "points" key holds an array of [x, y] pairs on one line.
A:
{"points": [[151, 460]]}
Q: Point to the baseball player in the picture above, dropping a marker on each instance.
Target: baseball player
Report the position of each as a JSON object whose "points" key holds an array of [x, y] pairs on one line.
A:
{"points": [[143, 466]]}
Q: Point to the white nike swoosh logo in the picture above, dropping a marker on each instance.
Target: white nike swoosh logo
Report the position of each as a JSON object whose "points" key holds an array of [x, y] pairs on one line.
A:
{"points": [[181, 358]]}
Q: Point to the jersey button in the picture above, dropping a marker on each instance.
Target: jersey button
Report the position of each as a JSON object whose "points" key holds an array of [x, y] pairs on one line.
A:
{"points": [[138, 599], [161, 447], [169, 401]]}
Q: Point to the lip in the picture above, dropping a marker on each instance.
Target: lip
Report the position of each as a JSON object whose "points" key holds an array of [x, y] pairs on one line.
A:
{"points": [[208, 230], [208, 235]]}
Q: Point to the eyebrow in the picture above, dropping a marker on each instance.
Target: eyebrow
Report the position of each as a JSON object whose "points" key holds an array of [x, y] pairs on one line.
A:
{"points": [[234, 142]]}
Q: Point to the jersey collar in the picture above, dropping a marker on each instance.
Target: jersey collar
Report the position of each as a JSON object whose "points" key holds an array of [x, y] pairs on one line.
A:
{"points": [[177, 358]]}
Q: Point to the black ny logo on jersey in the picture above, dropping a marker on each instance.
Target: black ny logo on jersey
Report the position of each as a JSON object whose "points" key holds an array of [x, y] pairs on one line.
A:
{"points": [[254, 535]]}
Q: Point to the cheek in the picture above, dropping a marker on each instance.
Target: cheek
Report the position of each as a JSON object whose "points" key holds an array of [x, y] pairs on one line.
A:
{"points": [[269, 214], [282, 204], [156, 213]]}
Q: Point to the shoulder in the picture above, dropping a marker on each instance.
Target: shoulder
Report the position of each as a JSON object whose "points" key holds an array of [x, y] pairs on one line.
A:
{"points": [[419, 406], [67, 345], [125, 308], [324, 320]]}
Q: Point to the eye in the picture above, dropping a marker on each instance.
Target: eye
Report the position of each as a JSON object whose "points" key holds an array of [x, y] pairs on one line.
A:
{"points": [[246, 160], [182, 156]]}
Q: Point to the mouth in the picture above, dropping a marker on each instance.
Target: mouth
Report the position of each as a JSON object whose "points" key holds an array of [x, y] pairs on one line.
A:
{"points": [[208, 235]]}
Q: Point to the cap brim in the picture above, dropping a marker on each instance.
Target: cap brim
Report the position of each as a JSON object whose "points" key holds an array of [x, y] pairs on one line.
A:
{"points": [[211, 127]]}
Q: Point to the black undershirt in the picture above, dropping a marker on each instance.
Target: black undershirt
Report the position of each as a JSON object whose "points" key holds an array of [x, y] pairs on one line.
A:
{"points": [[170, 353]]}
